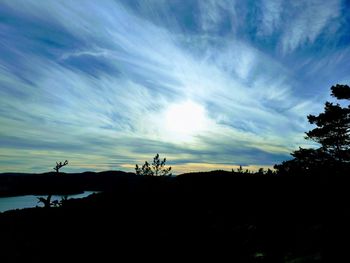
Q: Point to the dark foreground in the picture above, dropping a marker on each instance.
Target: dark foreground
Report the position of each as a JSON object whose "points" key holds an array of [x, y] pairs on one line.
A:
{"points": [[216, 218]]}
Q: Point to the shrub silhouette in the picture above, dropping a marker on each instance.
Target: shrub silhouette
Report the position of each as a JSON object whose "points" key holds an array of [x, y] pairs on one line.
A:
{"points": [[241, 171], [157, 168], [46, 201], [59, 203], [63, 200]]}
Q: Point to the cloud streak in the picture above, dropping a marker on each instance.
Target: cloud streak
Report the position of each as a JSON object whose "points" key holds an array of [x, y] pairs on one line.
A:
{"points": [[94, 82]]}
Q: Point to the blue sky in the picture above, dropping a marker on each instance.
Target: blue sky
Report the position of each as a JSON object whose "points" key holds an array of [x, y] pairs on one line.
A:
{"points": [[208, 84]]}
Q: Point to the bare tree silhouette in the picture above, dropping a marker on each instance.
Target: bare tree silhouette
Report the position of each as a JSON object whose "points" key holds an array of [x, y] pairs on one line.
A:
{"points": [[60, 165]]}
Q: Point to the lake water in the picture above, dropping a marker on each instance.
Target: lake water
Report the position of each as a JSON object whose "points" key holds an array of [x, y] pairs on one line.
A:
{"points": [[26, 201]]}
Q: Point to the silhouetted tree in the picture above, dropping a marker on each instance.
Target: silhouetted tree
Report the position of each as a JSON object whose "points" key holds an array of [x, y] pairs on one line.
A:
{"points": [[341, 92], [60, 165], [47, 201], [333, 126], [306, 161], [333, 135], [269, 172], [156, 169]]}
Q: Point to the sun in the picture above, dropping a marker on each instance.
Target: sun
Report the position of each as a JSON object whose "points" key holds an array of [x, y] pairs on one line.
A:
{"points": [[186, 119]]}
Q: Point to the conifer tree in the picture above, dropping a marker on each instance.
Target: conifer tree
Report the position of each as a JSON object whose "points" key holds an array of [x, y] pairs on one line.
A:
{"points": [[333, 126], [156, 169], [332, 132]]}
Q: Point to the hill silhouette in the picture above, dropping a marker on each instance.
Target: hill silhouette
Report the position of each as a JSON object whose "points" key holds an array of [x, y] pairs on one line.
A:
{"points": [[12, 184]]}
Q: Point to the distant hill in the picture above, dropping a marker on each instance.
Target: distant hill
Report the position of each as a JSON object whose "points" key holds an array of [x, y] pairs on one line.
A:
{"points": [[63, 183], [12, 184]]}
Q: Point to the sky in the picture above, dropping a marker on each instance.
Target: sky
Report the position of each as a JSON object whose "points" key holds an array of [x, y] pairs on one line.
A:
{"points": [[208, 84]]}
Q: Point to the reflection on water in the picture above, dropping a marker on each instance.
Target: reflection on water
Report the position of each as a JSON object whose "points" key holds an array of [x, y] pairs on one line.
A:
{"points": [[26, 201]]}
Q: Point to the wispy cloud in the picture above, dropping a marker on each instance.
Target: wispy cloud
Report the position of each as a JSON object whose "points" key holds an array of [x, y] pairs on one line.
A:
{"points": [[309, 20], [271, 16], [93, 83]]}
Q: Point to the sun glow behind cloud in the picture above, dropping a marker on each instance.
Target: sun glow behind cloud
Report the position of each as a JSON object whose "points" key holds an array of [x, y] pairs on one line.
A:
{"points": [[184, 120], [112, 83]]}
